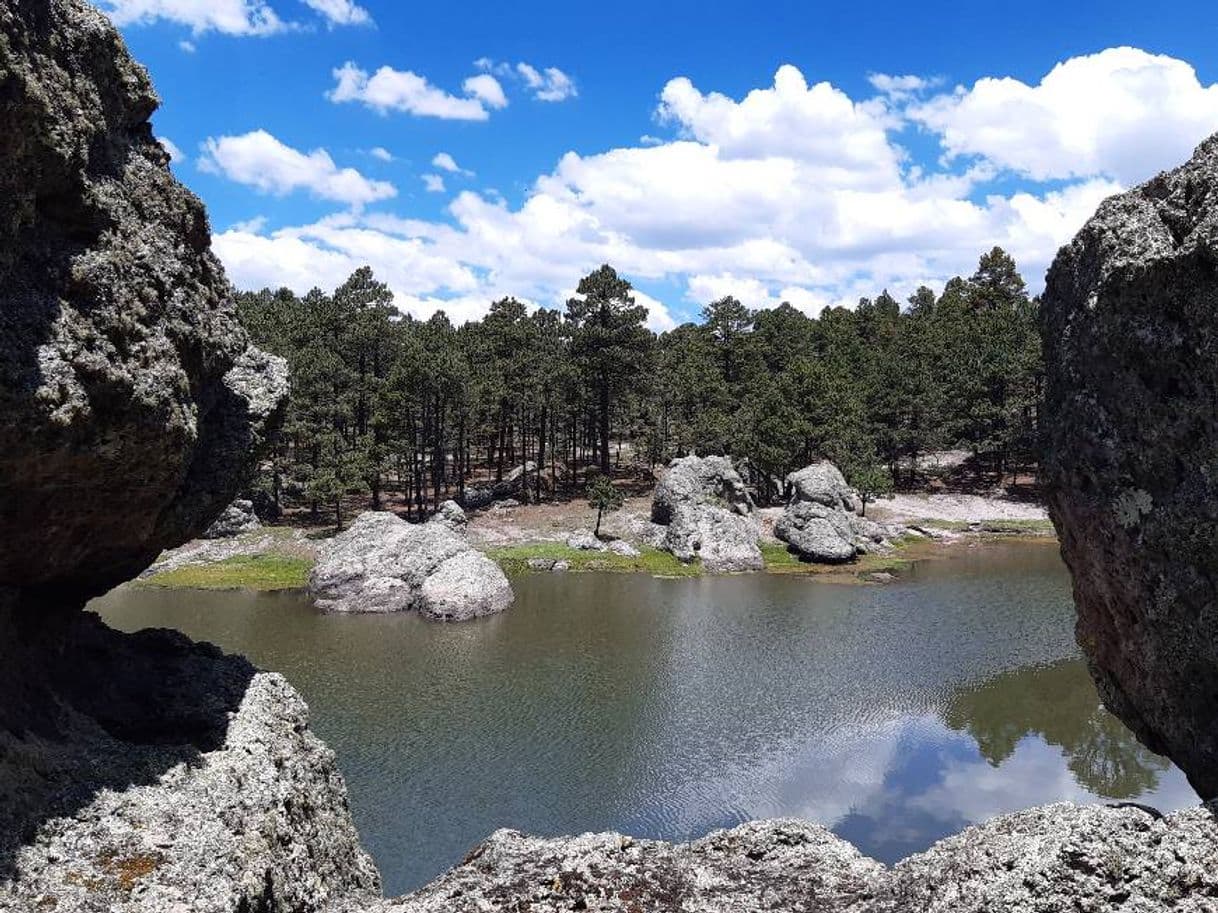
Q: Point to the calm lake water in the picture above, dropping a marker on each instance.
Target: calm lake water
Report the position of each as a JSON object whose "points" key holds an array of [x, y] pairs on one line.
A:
{"points": [[894, 714]]}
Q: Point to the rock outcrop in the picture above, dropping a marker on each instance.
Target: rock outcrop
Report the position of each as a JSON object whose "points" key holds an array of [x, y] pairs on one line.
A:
{"points": [[131, 398], [381, 563], [177, 778], [821, 521], [708, 515], [239, 517], [1058, 857], [510, 487], [1130, 329], [138, 772]]}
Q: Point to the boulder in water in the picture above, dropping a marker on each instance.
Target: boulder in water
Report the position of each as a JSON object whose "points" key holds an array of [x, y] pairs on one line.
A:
{"points": [[381, 563]]}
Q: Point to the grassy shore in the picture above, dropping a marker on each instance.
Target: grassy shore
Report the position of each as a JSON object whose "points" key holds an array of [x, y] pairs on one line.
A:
{"points": [[514, 559], [250, 572], [283, 560]]}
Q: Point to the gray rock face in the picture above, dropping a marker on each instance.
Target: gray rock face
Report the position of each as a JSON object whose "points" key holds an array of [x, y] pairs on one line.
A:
{"points": [[1130, 329], [820, 522], [131, 401], [1064, 857], [381, 563], [822, 483], [585, 540], [452, 516], [176, 779], [1059, 857], [238, 518], [708, 515], [769, 865], [512, 484]]}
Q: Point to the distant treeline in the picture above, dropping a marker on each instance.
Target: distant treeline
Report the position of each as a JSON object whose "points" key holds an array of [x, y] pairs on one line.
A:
{"points": [[385, 403]]}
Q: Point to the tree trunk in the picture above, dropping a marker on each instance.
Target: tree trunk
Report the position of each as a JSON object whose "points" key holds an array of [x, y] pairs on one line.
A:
{"points": [[604, 426]]}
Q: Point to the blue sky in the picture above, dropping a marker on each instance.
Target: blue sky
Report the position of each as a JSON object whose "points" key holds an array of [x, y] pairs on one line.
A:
{"points": [[882, 145]]}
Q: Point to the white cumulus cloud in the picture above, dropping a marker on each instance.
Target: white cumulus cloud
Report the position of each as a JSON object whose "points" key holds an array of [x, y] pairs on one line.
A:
{"points": [[259, 160], [229, 17], [340, 12], [433, 183], [402, 90], [793, 192], [1122, 113]]}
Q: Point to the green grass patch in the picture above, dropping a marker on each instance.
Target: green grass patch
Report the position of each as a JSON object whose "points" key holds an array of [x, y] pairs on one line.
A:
{"points": [[251, 572], [781, 561], [778, 560], [514, 559]]}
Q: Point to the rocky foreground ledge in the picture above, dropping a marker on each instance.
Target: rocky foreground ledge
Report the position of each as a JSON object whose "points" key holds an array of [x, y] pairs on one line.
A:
{"points": [[1054, 858]]}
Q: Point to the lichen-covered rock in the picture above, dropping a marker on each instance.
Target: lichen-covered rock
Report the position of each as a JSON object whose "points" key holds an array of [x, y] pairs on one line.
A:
{"points": [[1064, 857], [1130, 329], [452, 516], [131, 402], [822, 483], [700, 480], [781, 865], [586, 541], [1052, 858], [176, 778], [708, 515], [821, 521], [381, 563], [239, 517], [817, 533]]}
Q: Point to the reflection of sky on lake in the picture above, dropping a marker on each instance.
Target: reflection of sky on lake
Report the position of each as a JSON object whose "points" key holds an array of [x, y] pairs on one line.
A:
{"points": [[666, 708]]}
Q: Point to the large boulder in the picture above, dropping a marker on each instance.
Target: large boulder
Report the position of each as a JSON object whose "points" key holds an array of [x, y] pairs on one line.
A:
{"points": [[381, 563], [822, 483], [821, 522], [132, 403], [708, 515], [1130, 329]]}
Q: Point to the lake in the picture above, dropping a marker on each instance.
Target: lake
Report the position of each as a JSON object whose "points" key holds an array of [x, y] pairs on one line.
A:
{"points": [[894, 714]]}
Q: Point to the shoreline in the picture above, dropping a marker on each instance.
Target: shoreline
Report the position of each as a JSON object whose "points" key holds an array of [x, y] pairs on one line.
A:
{"points": [[526, 539]]}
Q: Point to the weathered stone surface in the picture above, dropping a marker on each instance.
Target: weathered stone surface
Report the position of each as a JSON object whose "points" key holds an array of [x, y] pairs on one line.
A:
{"points": [[174, 778], [452, 516], [822, 483], [1130, 329], [708, 515], [1064, 857], [585, 540], [237, 518], [821, 523], [699, 480], [1048, 859], [131, 401], [381, 563], [508, 488], [781, 865]]}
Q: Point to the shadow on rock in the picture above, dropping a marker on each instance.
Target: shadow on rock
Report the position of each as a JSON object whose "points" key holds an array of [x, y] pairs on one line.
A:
{"points": [[111, 711]]}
